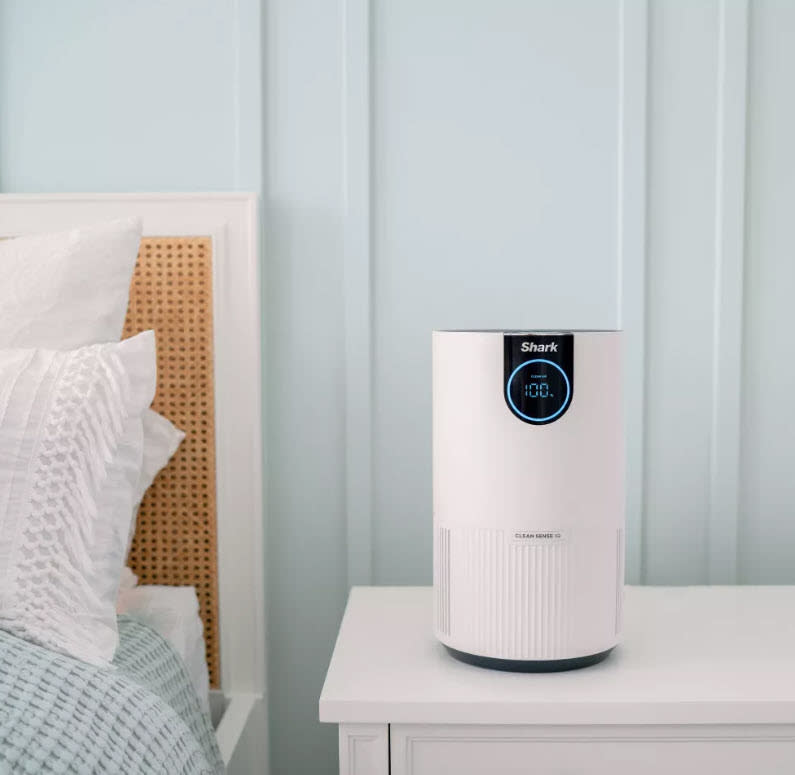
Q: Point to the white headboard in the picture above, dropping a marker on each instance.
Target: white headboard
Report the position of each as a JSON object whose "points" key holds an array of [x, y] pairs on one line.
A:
{"points": [[230, 220]]}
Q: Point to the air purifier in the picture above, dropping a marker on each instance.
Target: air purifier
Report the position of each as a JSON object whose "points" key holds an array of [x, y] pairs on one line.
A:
{"points": [[528, 497]]}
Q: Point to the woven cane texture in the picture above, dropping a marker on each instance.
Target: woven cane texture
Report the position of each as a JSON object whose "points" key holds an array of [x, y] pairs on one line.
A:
{"points": [[175, 537]]}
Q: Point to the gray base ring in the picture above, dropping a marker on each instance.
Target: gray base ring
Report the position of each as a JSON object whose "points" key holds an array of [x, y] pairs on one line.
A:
{"points": [[528, 666]]}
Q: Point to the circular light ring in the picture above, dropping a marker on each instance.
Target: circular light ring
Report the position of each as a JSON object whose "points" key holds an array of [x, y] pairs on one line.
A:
{"points": [[526, 416]]}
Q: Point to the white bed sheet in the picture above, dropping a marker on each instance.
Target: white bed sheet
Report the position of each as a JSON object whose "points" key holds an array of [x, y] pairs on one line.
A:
{"points": [[174, 613]]}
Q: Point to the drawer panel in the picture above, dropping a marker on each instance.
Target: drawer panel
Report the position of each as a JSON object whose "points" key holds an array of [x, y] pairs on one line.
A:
{"points": [[478, 750]]}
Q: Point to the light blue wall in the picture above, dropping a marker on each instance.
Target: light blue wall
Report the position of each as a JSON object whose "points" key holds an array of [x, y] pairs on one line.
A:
{"points": [[306, 574], [118, 96], [530, 163], [486, 216]]}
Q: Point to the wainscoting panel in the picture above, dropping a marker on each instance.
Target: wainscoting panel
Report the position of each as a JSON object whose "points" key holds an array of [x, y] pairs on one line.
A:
{"points": [[767, 470], [517, 171], [459, 163], [507, 174]]}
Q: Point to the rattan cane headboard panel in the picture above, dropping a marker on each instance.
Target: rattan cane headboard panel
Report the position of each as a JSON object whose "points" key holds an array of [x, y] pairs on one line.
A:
{"points": [[175, 538]]}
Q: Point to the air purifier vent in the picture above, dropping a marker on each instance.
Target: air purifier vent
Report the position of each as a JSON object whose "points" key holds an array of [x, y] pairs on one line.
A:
{"points": [[536, 627], [619, 579], [517, 592], [442, 566]]}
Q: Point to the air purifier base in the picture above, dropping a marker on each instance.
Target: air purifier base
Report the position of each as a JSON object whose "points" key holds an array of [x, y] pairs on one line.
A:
{"points": [[529, 666]]}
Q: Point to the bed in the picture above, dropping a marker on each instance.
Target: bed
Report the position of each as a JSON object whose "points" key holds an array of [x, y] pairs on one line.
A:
{"points": [[200, 526]]}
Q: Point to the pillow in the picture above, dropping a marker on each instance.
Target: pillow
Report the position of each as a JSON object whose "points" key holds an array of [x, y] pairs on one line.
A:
{"points": [[161, 439], [127, 582], [65, 417], [116, 510], [68, 289]]}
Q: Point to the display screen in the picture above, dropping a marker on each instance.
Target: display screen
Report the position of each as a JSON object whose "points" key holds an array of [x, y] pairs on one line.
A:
{"points": [[538, 390], [539, 376]]}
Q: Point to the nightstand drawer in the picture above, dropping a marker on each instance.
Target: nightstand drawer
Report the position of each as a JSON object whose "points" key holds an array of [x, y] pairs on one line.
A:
{"points": [[626, 750]]}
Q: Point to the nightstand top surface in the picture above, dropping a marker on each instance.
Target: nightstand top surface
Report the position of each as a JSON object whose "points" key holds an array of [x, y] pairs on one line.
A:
{"points": [[690, 655]]}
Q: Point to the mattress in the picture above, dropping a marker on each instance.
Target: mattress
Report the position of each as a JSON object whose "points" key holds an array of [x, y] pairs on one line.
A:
{"points": [[173, 612]]}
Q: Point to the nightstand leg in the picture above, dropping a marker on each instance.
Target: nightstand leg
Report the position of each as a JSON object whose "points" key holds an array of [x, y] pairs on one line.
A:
{"points": [[364, 749]]}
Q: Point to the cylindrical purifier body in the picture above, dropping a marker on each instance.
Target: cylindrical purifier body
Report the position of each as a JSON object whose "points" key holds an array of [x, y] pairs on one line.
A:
{"points": [[528, 496]]}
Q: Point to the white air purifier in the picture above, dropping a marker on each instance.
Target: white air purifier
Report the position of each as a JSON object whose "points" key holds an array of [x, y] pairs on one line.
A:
{"points": [[528, 496]]}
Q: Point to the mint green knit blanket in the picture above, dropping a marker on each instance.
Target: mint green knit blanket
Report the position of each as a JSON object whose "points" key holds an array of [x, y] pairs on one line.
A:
{"points": [[60, 715]]}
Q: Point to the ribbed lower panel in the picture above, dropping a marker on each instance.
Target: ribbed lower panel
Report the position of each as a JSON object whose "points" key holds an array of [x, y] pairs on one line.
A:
{"points": [[441, 565], [619, 579], [517, 594]]}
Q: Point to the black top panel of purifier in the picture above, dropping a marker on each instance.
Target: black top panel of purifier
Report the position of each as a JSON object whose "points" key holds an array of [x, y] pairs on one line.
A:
{"points": [[539, 375]]}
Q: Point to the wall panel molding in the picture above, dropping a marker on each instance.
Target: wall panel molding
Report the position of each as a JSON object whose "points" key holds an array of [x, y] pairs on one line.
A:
{"points": [[357, 269], [727, 358], [631, 228], [248, 163]]}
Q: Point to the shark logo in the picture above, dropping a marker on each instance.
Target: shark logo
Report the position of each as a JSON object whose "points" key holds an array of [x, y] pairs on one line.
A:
{"points": [[532, 347]]}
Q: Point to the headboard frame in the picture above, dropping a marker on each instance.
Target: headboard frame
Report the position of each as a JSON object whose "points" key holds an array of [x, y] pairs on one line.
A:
{"points": [[197, 284]]}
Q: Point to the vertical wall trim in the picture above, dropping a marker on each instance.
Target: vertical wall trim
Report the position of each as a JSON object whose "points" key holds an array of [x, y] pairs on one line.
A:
{"points": [[248, 156], [357, 288], [631, 230], [729, 258]]}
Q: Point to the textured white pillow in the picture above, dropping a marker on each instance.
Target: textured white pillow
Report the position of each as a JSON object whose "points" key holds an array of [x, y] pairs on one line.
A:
{"points": [[116, 510], [66, 419], [68, 289], [161, 439]]}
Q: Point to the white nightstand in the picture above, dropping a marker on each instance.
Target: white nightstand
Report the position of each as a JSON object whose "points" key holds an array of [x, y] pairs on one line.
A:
{"points": [[704, 682]]}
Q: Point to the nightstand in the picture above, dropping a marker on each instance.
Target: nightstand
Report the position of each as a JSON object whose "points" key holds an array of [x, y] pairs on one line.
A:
{"points": [[704, 682]]}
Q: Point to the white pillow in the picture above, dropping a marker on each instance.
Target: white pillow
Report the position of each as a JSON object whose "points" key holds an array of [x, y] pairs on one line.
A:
{"points": [[127, 582], [64, 417], [68, 289], [161, 439], [116, 509]]}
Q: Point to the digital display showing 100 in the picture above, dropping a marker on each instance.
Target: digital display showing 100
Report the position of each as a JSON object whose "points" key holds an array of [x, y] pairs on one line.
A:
{"points": [[537, 390]]}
